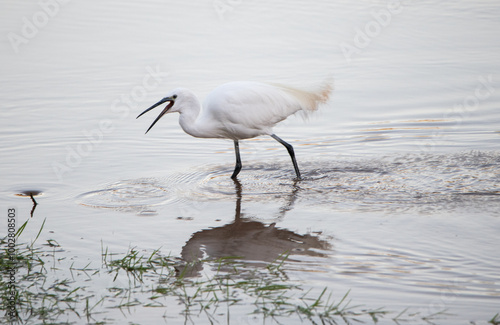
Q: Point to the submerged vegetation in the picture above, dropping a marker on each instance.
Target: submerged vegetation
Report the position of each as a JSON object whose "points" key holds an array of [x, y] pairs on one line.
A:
{"points": [[51, 289]]}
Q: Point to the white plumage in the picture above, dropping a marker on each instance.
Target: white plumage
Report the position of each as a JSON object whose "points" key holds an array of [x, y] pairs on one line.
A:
{"points": [[241, 110]]}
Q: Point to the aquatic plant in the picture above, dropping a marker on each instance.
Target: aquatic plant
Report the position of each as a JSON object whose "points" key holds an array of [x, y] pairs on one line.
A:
{"points": [[50, 290]]}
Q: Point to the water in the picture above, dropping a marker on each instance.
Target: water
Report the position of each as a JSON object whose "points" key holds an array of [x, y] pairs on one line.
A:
{"points": [[401, 191]]}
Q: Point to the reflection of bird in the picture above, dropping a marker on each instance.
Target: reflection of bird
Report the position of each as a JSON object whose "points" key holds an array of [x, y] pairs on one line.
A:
{"points": [[240, 110], [248, 240]]}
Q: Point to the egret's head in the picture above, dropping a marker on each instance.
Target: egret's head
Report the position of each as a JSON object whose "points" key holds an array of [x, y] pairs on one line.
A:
{"points": [[175, 100]]}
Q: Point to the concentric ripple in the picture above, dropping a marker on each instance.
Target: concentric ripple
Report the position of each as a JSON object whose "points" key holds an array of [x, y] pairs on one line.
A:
{"points": [[428, 181], [139, 195]]}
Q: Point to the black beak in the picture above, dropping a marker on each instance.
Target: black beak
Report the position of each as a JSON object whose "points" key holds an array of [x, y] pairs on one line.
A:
{"points": [[164, 100]]}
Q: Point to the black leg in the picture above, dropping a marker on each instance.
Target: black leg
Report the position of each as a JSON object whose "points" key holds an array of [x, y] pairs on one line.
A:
{"points": [[237, 168], [290, 151]]}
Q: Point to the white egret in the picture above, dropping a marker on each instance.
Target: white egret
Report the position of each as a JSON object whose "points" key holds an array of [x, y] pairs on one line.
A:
{"points": [[240, 110]]}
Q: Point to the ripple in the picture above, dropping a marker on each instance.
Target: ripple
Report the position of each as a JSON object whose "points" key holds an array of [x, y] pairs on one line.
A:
{"points": [[424, 181], [129, 195], [436, 181], [29, 193]]}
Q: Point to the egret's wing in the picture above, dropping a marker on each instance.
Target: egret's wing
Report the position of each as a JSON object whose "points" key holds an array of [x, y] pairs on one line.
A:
{"points": [[259, 105]]}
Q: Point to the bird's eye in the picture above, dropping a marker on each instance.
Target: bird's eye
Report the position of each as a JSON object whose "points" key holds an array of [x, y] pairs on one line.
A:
{"points": [[174, 96]]}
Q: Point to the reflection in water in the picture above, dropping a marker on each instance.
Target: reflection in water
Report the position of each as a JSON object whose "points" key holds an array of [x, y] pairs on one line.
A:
{"points": [[249, 240], [31, 194]]}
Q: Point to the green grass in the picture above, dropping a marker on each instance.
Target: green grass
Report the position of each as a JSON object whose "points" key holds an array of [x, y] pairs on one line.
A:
{"points": [[48, 293], [495, 320], [43, 298]]}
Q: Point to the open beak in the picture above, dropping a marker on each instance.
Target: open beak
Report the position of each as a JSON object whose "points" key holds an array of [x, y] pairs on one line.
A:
{"points": [[170, 101]]}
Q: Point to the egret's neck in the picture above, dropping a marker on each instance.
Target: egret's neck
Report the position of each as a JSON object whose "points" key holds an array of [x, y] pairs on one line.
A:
{"points": [[189, 116]]}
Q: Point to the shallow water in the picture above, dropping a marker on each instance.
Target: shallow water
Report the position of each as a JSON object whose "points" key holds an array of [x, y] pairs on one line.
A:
{"points": [[400, 197]]}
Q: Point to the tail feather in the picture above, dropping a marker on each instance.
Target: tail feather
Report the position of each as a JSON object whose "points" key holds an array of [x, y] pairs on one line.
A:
{"points": [[311, 99]]}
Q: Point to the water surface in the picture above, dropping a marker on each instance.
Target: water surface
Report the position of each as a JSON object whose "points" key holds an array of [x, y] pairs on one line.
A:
{"points": [[401, 192]]}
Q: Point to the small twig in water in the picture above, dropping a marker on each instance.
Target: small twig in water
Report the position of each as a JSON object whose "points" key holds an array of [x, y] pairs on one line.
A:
{"points": [[34, 205]]}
